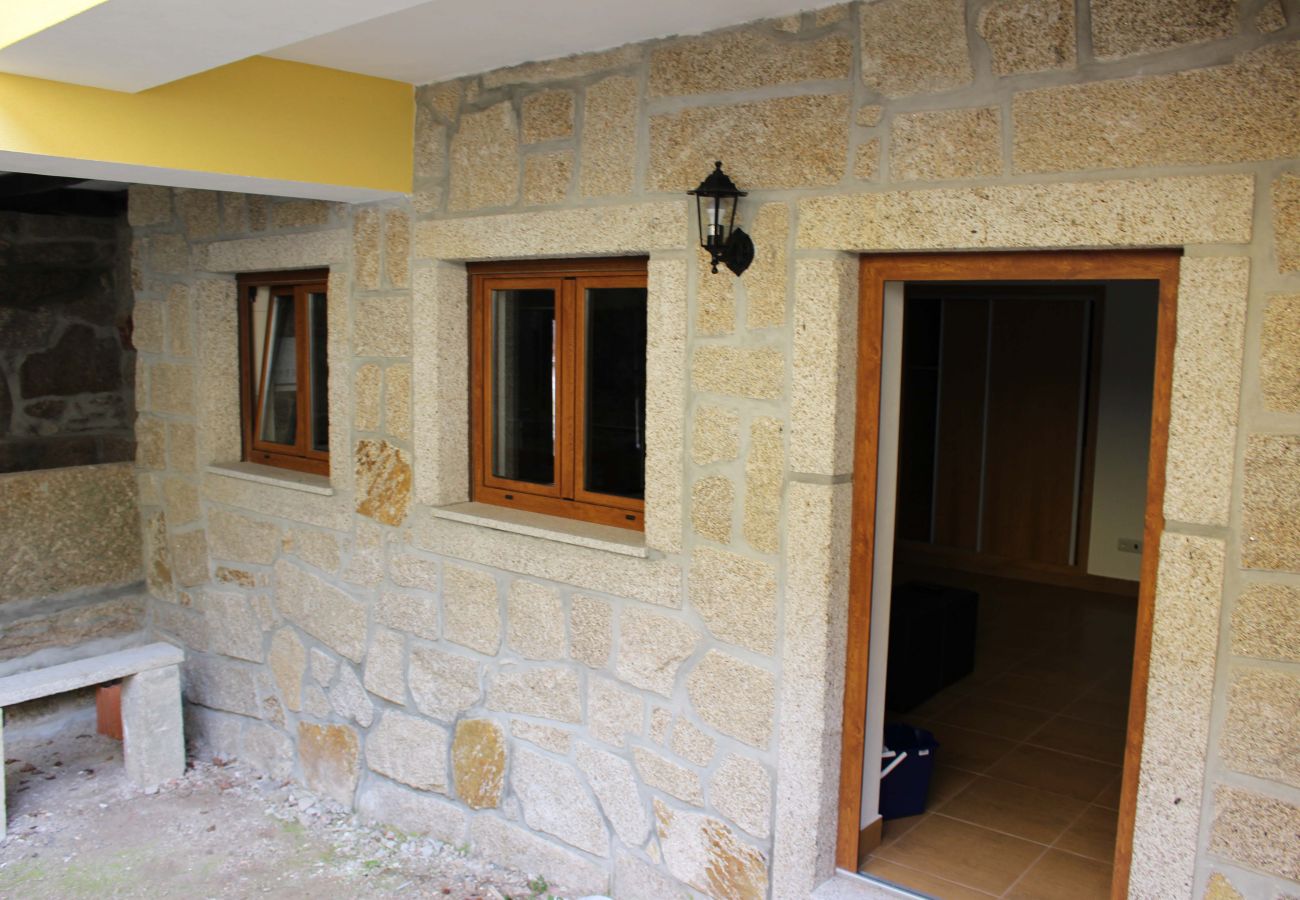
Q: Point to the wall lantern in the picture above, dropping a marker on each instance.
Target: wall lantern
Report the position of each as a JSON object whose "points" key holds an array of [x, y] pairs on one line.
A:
{"points": [[716, 199]]}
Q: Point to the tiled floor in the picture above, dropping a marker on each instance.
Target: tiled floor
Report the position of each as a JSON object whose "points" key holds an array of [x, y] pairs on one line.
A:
{"points": [[1025, 794]]}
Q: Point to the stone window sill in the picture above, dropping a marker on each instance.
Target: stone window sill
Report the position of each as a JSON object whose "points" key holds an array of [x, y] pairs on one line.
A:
{"points": [[276, 477], [552, 528]]}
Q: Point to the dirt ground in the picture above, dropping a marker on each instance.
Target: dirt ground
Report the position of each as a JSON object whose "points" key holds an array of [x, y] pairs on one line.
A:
{"points": [[77, 828]]}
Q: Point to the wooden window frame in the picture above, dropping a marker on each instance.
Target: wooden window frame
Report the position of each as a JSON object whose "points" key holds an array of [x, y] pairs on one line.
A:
{"points": [[301, 457], [565, 496]]}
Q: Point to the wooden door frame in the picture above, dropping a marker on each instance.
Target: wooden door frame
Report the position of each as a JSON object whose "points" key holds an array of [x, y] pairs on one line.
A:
{"points": [[1161, 266]]}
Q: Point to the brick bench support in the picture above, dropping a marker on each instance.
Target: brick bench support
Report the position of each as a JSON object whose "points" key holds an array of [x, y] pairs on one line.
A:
{"points": [[152, 734]]}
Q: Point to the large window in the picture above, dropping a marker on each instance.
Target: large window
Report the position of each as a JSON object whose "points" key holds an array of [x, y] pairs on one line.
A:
{"points": [[559, 387], [284, 369]]}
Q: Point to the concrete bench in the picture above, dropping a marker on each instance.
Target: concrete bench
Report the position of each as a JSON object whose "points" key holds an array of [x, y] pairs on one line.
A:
{"points": [[152, 733]]}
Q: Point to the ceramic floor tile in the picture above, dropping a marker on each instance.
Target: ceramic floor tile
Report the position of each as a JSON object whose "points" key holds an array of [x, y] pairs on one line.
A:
{"points": [[1064, 876], [1092, 835], [1090, 739], [1100, 712], [964, 853], [945, 784], [1002, 720], [893, 829], [1016, 809], [962, 748], [920, 881], [1045, 692], [1109, 796], [1058, 773]]}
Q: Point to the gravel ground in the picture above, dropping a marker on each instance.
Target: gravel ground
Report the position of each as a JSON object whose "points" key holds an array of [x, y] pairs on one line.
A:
{"points": [[77, 828]]}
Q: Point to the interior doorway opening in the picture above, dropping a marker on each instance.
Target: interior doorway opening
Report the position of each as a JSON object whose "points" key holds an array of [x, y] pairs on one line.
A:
{"points": [[1016, 412]]}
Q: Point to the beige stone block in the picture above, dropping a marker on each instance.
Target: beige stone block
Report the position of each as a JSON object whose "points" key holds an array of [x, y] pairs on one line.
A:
{"points": [[1029, 35], [765, 280], [745, 58], [316, 548], [444, 98], [548, 693], [1286, 222], [387, 805], [92, 619], [712, 500], [1205, 209], [635, 879], [181, 501], [557, 740], [733, 696], [443, 684], [397, 402], [513, 846], [350, 699], [547, 177], [1263, 726], [234, 212], [784, 142], [707, 855], [613, 713], [190, 557], [300, 214], [171, 388], [692, 744], [565, 68], [385, 672], [485, 160], [258, 209], [220, 683], [1270, 17], [535, 620], [157, 559], [547, 116], [757, 372], [608, 154], [914, 46], [182, 450], [178, 321], [663, 774], [735, 597], [471, 612], [414, 613], [441, 381], [741, 789], [382, 326], [715, 297], [666, 328], [590, 630], [869, 116], [323, 666], [1206, 388], [764, 476], [946, 144], [296, 506], [615, 786], [322, 610], [1271, 503], [825, 363], [216, 304], [1219, 888], [383, 476], [661, 720], [651, 648], [148, 204], [1238, 112], [1279, 366], [715, 434], [1264, 622], [409, 570], [555, 801], [241, 538], [307, 250], [366, 565], [369, 381], [330, 757], [397, 248], [430, 161], [1130, 27], [147, 330], [410, 750], [288, 661], [587, 231], [167, 254], [366, 249], [478, 761], [1255, 830]]}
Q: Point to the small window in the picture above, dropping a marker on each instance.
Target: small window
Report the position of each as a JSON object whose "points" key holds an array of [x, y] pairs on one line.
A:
{"points": [[284, 369], [559, 387]]}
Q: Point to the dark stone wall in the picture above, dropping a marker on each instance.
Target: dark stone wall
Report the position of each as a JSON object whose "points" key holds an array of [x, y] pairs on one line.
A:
{"points": [[67, 369]]}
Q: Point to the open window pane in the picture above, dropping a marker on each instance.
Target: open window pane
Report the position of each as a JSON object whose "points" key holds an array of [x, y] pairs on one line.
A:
{"points": [[320, 438], [614, 426], [279, 399], [523, 385]]}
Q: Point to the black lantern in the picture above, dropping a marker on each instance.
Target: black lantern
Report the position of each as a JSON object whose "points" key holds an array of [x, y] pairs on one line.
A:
{"points": [[716, 199]]}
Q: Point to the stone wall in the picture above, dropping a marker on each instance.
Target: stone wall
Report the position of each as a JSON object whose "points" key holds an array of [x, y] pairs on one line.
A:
{"points": [[669, 721], [66, 366]]}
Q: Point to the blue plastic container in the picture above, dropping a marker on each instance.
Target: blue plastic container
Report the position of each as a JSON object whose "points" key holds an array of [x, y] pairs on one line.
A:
{"points": [[905, 784]]}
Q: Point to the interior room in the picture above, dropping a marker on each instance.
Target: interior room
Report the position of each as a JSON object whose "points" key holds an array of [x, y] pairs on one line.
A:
{"points": [[1023, 430]]}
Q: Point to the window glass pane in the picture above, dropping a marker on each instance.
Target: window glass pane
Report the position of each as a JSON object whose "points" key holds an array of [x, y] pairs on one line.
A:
{"points": [[614, 461], [320, 418], [523, 385], [279, 401]]}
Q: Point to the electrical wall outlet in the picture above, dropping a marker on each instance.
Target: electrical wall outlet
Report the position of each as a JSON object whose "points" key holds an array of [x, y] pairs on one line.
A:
{"points": [[1129, 545]]}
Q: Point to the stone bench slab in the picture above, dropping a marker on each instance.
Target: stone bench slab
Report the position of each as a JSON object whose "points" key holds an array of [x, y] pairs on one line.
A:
{"points": [[86, 672]]}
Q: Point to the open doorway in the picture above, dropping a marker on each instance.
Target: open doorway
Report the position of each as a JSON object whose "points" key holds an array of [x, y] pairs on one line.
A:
{"points": [[1016, 409]]}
